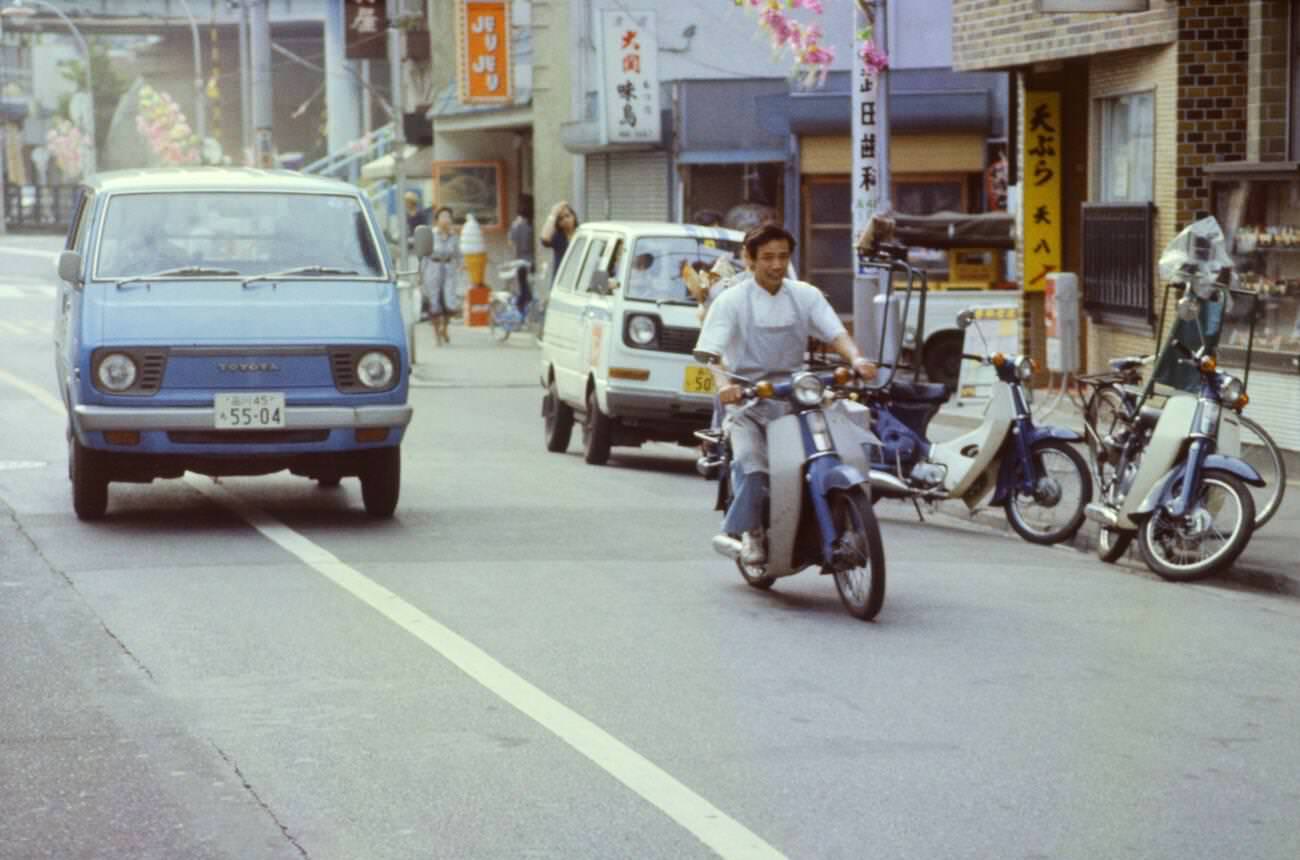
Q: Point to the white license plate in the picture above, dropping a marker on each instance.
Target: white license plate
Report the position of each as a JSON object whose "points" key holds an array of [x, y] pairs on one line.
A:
{"points": [[261, 410]]}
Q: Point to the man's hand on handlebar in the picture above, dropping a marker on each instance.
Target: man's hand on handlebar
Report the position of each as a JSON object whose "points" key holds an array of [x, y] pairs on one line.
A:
{"points": [[729, 394]]}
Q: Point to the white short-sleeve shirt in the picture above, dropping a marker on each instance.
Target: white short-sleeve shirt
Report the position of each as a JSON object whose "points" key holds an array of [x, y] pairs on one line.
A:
{"points": [[796, 304]]}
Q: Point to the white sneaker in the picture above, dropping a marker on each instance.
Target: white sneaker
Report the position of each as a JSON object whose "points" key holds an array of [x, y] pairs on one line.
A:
{"points": [[753, 549]]}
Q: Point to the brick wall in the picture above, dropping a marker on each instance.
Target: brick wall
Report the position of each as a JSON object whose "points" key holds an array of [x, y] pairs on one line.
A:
{"points": [[996, 34], [1267, 81], [1213, 72]]}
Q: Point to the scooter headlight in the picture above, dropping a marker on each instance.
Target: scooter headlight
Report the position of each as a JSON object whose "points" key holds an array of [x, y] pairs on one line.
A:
{"points": [[807, 389], [1025, 368], [1230, 389]]}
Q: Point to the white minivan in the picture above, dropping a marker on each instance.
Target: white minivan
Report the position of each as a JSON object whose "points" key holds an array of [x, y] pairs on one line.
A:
{"points": [[619, 330]]}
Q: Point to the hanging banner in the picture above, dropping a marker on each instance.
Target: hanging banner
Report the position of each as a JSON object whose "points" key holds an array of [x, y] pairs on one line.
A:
{"points": [[867, 143], [483, 52], [365, 29], [1041, 206], [629, 52]]}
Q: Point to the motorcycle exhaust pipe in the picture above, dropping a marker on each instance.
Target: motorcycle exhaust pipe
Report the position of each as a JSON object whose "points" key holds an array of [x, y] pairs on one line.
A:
{"points": [[1101, 515], [728, 546], [887, 485]]}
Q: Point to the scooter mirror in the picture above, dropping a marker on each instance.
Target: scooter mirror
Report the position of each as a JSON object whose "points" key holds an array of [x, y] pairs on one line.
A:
{"points": [[1188, 308], [965, 318]]}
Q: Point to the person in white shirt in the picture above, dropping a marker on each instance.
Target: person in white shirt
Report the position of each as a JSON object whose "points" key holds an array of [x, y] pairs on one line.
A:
{"points": [[757, 328]]}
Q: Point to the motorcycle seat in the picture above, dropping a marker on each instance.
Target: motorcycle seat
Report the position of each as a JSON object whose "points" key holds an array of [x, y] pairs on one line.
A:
{"points": [[1127, 362], [918, 392]]}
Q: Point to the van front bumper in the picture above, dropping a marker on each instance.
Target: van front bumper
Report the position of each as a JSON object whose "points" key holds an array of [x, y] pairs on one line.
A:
{"points": [[98, 418]]}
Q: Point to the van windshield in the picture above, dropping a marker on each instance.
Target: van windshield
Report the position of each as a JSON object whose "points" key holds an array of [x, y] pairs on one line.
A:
{"points": [[655, 270], [240, 233]]}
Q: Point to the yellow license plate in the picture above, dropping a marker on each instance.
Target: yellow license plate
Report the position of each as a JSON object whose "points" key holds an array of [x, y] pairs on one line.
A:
{"points": [[698, 380]]}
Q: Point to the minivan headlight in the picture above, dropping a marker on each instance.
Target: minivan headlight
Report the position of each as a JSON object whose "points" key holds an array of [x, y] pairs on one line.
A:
{"points": [[641, 330], [807, 389], [375, 370], [116, 372]]}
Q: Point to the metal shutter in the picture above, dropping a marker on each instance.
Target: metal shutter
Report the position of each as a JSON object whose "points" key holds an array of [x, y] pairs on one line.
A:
{"points": [[627, 186]]}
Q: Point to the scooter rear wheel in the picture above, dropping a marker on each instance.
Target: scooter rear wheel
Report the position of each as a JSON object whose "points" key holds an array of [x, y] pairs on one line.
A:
{"points": [[862, 584]]}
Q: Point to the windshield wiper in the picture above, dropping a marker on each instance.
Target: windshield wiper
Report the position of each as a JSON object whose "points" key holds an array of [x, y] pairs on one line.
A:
{"points": [[179, 272], [298, 272]]}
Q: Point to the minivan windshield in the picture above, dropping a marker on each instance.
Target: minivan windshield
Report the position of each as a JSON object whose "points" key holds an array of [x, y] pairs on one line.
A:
{"points": [[231, 233], [655, 270]]}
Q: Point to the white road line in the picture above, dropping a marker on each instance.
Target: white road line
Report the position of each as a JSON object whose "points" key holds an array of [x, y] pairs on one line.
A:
{"points": [[701, 818], [40, 395]]}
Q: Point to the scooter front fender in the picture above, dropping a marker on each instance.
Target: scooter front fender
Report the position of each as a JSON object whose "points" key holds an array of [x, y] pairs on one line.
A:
{"points": [[827, 475], [1162, 492], [1035, 434]]}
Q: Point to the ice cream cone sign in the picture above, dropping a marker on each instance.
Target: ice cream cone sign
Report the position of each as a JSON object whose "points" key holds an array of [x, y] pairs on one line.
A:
{"points": [[474, 250]]}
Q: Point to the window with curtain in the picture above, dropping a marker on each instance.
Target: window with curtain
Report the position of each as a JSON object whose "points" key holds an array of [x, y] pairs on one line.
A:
{"points": [[1128, 148]]}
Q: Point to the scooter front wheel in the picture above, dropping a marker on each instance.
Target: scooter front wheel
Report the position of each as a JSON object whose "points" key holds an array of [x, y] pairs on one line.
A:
{"points": [[1208, 539], [1053, 511], [859, 565]]}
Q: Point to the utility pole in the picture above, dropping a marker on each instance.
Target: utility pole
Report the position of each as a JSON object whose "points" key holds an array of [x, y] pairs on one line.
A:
{"points": [[340, 86], [259, 49], [399, 133], [245, 82], [870, 169]]}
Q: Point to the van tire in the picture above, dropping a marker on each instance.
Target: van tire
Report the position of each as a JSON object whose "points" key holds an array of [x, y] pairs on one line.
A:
{"points": [[89, 485], [557, 420], [597, 432], [381, 481]]}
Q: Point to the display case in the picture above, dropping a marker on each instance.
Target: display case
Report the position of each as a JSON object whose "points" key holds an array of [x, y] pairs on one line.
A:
{"points": [[1258, 207]]}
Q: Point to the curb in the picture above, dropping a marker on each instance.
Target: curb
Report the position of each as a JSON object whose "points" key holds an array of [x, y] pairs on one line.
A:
{"points": [[1084, 541]]}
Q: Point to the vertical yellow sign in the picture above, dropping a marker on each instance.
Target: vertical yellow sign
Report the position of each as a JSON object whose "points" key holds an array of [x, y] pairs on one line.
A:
{"points": [[1042, 183]]}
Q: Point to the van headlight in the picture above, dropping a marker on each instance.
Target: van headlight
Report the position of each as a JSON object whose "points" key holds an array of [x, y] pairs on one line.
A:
{"points": [[116, 372], [807, 389], [375, 370], [642, 330]]}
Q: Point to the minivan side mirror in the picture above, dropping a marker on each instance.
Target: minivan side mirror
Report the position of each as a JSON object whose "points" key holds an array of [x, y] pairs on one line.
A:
{"points": [[599, 283], [423, 241], [69, 267]]}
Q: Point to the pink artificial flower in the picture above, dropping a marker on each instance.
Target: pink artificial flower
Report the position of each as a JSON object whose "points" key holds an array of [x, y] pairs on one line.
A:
{"points": [[875, 59]]}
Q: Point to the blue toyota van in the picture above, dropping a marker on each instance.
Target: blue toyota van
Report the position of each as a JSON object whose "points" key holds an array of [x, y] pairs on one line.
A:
{"points": [[229, 321]]}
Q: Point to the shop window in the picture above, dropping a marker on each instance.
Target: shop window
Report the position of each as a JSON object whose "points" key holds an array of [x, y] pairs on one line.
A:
{"points": [[827, 258], [927, 194], [1127, 148], [716, 188]]}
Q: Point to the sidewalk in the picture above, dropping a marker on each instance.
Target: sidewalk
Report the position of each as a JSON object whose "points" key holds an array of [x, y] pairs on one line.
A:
{"points": [[1270, 562]]}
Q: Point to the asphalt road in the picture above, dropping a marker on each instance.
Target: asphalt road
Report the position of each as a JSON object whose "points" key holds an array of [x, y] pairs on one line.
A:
{"points": [[540, 658]]}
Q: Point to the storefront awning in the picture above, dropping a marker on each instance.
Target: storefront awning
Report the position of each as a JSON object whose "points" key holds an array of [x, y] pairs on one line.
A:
{"points": [[418, 162]]}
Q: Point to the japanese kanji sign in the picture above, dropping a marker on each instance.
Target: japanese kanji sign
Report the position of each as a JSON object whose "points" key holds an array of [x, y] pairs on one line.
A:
{"points": [[629, 61], [483, 51], [867, 142], [1041, 210], [366, 29]]}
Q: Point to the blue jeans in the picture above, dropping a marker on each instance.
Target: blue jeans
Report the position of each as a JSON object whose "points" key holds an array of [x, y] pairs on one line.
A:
{"points": [[748, 494]]}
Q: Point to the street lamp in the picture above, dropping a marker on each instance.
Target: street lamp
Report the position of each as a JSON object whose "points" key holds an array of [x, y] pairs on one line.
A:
{"points": [[18, 10], [200, 97]]}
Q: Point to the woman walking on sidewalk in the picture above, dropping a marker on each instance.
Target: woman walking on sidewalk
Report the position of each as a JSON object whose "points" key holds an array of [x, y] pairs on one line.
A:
{"points": [[438, 274]]}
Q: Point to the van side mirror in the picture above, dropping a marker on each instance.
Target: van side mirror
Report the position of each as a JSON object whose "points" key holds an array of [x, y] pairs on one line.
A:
{"points": [[423, 241], [599, 283], [69, 267]]}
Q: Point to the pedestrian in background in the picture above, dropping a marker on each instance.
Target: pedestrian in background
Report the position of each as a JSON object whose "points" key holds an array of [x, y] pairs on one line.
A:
{"points": [[557, 231], [439, 272], [521, 239], [415, 216]]}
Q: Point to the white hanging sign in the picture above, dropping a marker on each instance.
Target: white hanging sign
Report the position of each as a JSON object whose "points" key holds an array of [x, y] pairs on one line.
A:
{"points": [[629, 61]]}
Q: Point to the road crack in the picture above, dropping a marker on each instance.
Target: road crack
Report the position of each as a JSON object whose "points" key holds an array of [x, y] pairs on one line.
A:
{"points": [[257, 798]]}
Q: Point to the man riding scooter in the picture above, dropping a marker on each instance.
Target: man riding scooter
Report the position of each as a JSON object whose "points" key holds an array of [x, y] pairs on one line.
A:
{"points": [[761, 326]]}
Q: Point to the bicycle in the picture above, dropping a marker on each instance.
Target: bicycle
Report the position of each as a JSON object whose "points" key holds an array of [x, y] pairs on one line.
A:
{"points": [[504, 316]]}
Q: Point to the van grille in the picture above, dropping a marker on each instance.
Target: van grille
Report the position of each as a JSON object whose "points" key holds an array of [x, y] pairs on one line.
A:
{"points": [[152, 364], [678, 339]]}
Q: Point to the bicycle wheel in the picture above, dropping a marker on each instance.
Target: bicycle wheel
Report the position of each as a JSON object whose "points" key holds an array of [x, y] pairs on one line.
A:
{"points": [[1259, 450], [1106, 414]]}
